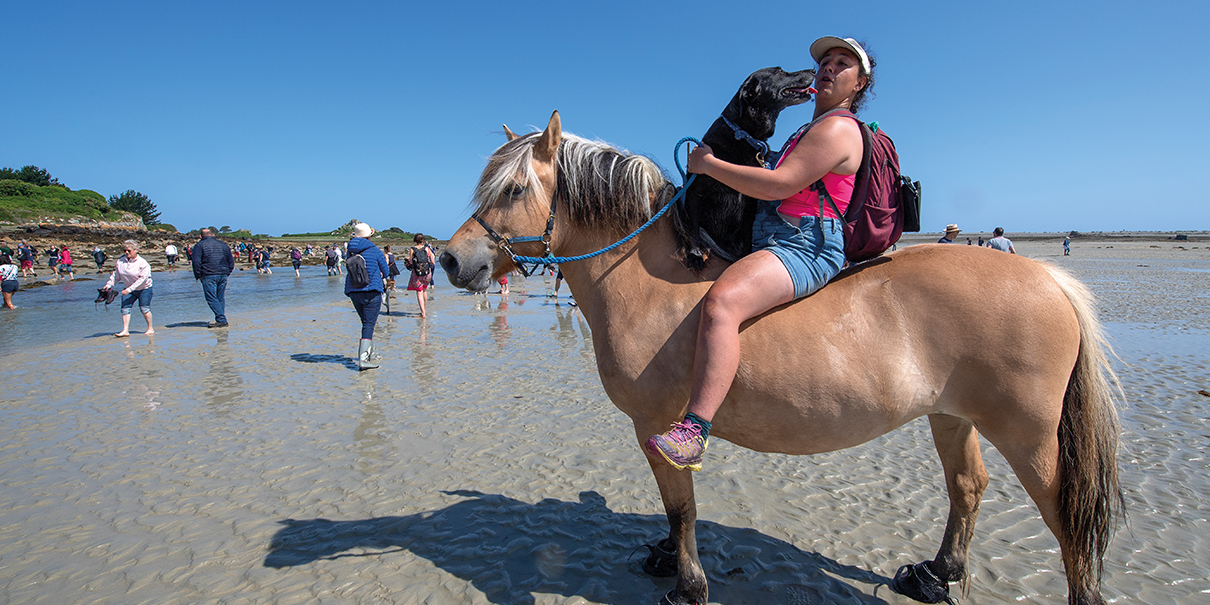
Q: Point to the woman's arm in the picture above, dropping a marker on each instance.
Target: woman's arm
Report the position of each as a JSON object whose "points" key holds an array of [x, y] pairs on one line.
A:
{"points": [[113, 277], [833, 145]]}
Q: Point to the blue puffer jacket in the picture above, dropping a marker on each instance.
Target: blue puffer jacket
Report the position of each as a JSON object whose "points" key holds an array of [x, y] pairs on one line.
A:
{"points": [[376, 264]]}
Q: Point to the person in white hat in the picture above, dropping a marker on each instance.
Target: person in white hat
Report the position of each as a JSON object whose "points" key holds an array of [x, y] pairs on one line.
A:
{"points": [[951, 232], [367, 296], [798, 241]]}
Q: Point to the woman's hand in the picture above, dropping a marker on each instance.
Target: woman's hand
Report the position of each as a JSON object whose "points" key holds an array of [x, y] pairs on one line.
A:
{"points": [[699, 157]]}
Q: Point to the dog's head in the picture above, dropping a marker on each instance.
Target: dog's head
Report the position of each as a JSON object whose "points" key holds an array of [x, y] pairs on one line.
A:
{"points": [[764, 94]]}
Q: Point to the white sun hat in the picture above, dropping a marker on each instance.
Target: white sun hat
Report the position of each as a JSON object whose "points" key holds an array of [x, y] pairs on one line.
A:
{"points": [[826, 43]]}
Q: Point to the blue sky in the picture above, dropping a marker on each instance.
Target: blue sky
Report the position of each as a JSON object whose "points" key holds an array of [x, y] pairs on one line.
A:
{"points": [[298, 116]]}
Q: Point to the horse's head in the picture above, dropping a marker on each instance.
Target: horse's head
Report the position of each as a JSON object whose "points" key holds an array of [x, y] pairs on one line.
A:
{"points": [[513, 199], [550, 192]]}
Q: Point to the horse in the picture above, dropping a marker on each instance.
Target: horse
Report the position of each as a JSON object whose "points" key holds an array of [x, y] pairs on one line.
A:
{"points": [[979, 341]]}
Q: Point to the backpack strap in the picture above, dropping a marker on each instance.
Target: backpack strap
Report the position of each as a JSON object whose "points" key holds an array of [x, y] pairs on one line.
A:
{"points": [[861, 179]]}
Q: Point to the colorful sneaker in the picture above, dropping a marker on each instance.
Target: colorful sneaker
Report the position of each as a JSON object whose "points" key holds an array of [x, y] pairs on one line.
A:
{"points": [[682, 446]]}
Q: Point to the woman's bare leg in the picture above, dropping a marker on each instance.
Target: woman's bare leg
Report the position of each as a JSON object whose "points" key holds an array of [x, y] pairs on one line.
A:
{"points": [[147, 316], [125, 325], [755, 284]]}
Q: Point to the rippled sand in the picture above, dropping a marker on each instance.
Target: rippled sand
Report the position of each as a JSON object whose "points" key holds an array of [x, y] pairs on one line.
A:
{"points": [[483, 464]]}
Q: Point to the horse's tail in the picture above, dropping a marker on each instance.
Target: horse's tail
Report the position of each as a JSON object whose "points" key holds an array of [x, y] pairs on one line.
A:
{"points": [[1090, 499]]}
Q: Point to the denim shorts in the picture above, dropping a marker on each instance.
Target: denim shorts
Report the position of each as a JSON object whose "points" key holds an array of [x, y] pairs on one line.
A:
{"points": [[813, 252], [142, 296]]}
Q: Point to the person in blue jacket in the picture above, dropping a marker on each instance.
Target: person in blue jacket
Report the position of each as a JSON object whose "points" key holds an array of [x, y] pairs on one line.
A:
{"points": [[366, 299]]}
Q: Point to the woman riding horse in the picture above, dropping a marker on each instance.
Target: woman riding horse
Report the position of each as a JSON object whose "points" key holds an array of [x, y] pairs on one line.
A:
{"points": [[799, 245]]}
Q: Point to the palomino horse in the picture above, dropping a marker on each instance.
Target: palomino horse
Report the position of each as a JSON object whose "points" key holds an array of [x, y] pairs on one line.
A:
{"points": [[978, 340]]}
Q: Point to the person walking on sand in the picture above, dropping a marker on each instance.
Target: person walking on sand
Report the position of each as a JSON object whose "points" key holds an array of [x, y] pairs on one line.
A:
{"points": [[25, 256], [330, 260], [1066, 246], [363, 286], [951, 232], [134, 274], [420, 261], [171, 254], [52, 260], [212, 264], [392, 270], [999, 242], [98, 257], [296, 260], [8, 279], [65, 263]]}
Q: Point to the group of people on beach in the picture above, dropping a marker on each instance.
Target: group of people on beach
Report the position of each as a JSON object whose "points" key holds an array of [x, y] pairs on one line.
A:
{"points": [[371, 274], [997, 241], [25, 257]]}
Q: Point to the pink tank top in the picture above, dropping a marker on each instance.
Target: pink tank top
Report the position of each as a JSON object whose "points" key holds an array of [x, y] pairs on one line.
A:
{"points": [[806, 202]]}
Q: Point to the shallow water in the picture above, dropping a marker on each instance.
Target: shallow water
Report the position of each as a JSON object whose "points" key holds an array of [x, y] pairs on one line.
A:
{"points": [[483, 464]]}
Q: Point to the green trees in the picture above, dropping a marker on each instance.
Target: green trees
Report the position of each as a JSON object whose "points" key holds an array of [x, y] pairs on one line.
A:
{"points": [[30, 174], [133, 201]]}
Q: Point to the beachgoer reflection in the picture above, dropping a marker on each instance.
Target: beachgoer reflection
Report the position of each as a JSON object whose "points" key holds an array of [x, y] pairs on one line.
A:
{"points": [[499, 327], [424, 365], [223, 385], [370, 436]]}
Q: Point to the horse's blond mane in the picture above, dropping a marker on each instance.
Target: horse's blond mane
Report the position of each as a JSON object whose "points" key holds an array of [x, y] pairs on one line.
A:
{"points": [[604, 187]]}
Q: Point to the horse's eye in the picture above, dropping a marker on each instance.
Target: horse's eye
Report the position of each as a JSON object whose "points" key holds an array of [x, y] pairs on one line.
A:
{"points": [[515, 191]]}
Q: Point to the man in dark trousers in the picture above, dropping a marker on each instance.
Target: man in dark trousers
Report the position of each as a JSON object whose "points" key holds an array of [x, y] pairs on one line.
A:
{"points": [[212, 263]]}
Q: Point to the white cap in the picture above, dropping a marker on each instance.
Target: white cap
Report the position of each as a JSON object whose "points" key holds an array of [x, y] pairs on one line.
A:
{"points": [[362, 230], [826, 43]]}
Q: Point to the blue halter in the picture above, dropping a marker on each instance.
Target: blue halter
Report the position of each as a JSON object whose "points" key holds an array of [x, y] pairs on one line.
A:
{"points": [[505, 243]]}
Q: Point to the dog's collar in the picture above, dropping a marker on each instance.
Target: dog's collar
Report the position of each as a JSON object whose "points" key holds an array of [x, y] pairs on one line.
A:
{"points": [[762, 148]]}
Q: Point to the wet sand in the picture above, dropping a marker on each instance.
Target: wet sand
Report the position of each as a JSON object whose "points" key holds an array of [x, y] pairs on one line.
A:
{"points": [[483, 463]]}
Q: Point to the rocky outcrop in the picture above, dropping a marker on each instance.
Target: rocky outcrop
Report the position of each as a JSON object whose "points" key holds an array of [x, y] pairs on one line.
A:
{"points": [[129, 225]]}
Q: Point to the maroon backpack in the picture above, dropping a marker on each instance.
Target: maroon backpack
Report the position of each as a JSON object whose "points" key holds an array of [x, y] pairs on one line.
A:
{"points": [[885, 203]]}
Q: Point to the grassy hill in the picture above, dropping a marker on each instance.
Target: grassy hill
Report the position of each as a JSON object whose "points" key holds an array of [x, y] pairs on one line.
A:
{"points": [[21, 202]]}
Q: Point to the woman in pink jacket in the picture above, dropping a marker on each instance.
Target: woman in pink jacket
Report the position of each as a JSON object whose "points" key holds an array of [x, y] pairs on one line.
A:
{"points": [[134, 274], [65, 263]]}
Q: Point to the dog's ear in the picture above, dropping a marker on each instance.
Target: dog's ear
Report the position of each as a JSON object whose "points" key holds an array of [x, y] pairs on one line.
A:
{"points": [[508, 133], [750, 90], [548, 143]]}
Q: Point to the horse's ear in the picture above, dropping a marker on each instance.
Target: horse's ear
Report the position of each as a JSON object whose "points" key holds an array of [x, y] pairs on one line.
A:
{"points": [[508, 133], [548, 143]]}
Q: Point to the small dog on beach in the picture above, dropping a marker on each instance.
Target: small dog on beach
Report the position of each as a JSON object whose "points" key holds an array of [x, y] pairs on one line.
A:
{"points": [[710, 211]]}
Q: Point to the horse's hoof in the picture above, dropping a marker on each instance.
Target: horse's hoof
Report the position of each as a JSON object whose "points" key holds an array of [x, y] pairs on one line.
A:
{"points": [[661, 563], [672, 597], [920, 583]]}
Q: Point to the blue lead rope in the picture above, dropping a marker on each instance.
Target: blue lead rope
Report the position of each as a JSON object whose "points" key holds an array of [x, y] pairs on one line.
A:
{"points": [[549, 260]]}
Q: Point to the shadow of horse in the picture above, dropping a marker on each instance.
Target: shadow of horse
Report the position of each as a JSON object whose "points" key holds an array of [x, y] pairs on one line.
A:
{"points": [[347, 361], [509, 550]]}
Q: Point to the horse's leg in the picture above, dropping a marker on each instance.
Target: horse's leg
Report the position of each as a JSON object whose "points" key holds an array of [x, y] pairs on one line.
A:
{"points": [[957, 444], [676, 490], [1035, 460]]}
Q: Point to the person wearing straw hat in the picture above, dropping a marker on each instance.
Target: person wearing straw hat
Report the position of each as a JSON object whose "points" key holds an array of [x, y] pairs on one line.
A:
{"points": [[367, 298], [951, 232]]}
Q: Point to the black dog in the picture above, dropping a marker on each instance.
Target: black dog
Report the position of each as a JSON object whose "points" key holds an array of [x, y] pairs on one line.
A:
{"points": [[716, 219]]}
